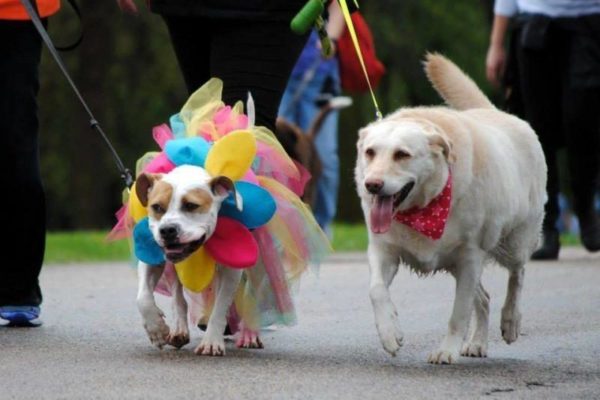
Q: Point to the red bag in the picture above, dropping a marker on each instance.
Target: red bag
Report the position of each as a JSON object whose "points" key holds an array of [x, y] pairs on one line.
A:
{"points": [[352, 76]]}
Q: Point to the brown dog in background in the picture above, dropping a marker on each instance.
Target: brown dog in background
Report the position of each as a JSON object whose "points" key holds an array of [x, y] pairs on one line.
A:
{"points": [[300, 145]]}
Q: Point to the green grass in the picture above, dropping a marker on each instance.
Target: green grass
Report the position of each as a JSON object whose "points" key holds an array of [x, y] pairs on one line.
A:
{"points": [[65, 247], [349, 237], [90, 246]]}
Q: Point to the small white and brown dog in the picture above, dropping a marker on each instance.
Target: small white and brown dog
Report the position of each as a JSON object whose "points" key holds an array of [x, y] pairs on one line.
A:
{"points": [[498, 179], [182, 208]]}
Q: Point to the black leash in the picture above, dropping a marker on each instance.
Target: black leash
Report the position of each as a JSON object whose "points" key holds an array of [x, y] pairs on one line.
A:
{"points": [[77, 42], [33, 14]]}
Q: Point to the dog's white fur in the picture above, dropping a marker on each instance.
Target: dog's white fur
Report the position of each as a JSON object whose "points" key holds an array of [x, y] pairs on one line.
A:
{"points": [[191, 226], [194, 225], [499, 178]]}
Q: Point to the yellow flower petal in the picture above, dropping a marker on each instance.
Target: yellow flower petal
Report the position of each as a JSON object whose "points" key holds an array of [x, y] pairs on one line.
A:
{"points": [[232, 155], [136, 209], [197, 271]]}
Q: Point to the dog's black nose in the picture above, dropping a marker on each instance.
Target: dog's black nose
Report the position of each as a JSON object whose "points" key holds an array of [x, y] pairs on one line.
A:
{"points": [[374, 186], [169, 232]]}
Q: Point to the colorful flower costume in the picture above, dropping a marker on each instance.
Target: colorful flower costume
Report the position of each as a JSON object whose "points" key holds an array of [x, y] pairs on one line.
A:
{"points": [[265, 229]]}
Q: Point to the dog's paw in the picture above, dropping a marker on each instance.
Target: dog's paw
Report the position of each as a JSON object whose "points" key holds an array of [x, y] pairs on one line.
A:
{"points": [[157, 329], [211, 347], [510, 325], [178, 338], [442, 356], [248, 339], [388, 327], [391, 336], [473, 349]]}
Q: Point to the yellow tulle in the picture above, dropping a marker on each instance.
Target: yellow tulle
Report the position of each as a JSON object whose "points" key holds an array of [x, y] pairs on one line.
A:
{"points": [[201, 106], [144, 160], [199, 111], [197, 271], [245, 304], [265, 136], [281, 230]]}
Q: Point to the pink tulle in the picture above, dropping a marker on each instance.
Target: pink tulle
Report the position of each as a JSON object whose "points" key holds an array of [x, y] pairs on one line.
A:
{"points": [[296, 184], [272, 262], [295, 225], [121, 230], [162, 134], [167, 280], [226, 121], [272, 161], [206, 136], [160, 164], [250, 177]]}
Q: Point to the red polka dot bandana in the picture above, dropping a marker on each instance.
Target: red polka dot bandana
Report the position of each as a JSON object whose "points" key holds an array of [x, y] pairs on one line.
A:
{"points": [[430, 220]]}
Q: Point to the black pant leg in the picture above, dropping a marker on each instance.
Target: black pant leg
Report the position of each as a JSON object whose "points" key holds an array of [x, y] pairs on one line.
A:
{"points": [[249, 56], [191, 40], [581, 118], [23, 204], [255, 57], [540, 86]]}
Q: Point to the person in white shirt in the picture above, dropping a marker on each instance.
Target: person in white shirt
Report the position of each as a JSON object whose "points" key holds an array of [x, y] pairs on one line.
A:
{"points": [[557, 51]]}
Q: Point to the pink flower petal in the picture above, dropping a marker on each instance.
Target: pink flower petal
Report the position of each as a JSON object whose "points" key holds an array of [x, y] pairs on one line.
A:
{"points": [[250, 176], [232, 244]]}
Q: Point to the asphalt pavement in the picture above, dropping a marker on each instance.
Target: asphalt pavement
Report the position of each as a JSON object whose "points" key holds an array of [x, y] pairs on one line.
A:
{"points": [[92, 344]]}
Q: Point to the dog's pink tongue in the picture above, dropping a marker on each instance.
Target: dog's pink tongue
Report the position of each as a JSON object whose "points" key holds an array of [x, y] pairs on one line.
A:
{"points": [[381, 214]]}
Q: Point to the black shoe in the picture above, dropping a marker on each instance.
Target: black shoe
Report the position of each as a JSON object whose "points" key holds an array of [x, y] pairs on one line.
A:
{"points": [[550, 247], [590, 231]]}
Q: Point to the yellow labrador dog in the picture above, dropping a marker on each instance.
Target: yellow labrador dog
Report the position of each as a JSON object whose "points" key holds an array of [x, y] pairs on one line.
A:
{"points": [[450, 189]]}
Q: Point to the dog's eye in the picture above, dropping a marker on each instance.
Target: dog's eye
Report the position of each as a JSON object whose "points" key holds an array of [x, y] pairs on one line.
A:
{"points": [[157, 208], [400, 155], [189, 207], [370, 153]]}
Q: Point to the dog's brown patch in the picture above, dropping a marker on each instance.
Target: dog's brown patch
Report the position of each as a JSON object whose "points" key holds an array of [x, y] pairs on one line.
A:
{"points": [[144, 184], [159, 199], [197, 197]]}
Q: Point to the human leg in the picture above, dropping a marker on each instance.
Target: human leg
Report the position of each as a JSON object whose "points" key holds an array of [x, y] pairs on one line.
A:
{"points": [[326, 144], [582, 125], [256, 58], [23, 248], [192, 48], [539, 77]]}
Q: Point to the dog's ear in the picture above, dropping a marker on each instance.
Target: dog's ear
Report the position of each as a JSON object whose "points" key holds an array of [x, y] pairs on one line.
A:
{"points": [[143, 185], [437, 142], [222, 186]]}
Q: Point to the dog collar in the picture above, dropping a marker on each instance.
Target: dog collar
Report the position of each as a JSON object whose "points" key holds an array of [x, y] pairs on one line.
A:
{"points": [[431, 219]]}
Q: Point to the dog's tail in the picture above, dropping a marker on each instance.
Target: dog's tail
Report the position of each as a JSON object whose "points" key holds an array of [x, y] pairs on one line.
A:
{"points": [[335, 103], [456, 88]]}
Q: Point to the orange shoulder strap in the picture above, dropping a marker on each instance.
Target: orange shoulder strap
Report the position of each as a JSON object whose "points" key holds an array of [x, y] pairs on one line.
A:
{"points": [[12, 9]]}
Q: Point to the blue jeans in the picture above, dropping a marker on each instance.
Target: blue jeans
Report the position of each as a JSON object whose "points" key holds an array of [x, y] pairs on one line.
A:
{"points": [[302, 112]]}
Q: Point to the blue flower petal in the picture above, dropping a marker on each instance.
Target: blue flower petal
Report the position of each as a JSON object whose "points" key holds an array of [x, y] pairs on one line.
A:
{"points": [[258, 205], [145, 247], [177, 126], [187, 151]]}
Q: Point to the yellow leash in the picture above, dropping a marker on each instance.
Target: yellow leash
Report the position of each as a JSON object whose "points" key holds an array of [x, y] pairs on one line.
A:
{"points": [[350, 25]]}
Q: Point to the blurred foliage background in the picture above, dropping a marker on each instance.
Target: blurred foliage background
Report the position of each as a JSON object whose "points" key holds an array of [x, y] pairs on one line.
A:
{"points": [[126, 70]]}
